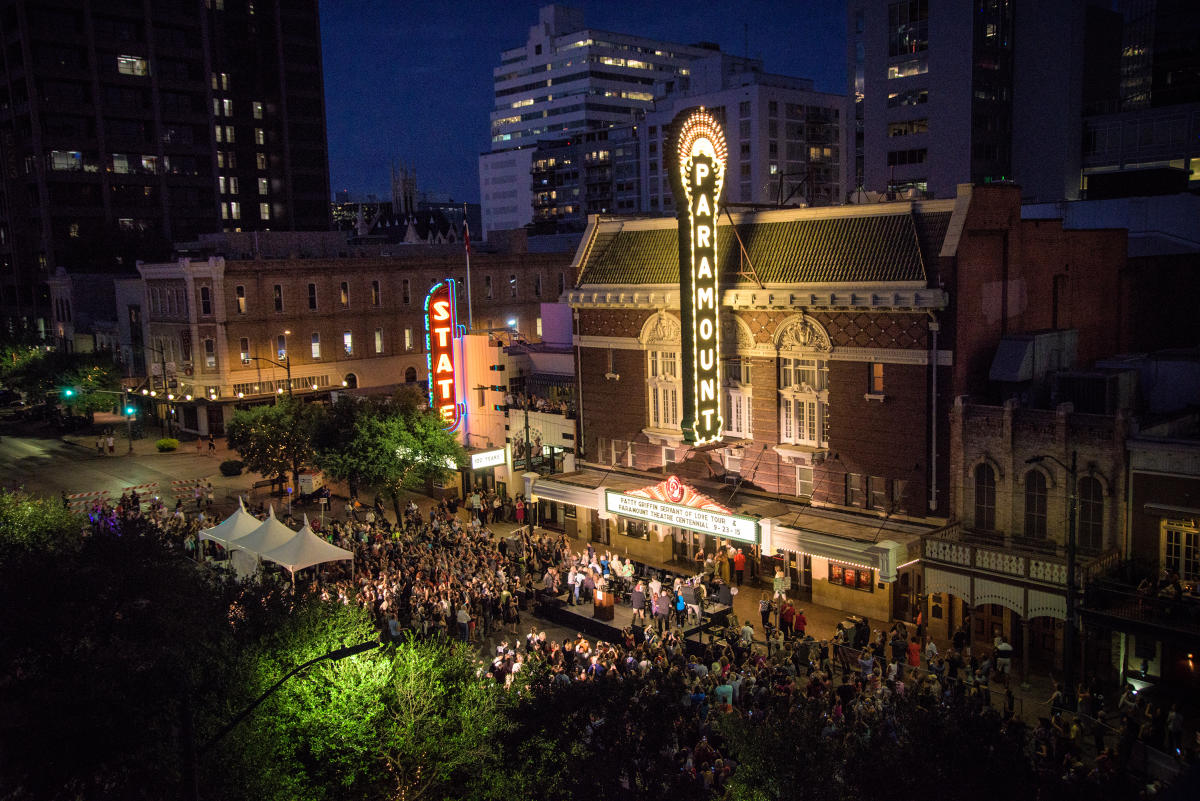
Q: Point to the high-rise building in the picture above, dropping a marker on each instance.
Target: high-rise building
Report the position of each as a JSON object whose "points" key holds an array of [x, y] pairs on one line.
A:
{"points": [[129, 125], [1141, 125], [567, 79], [784, 137], [944, 92]]}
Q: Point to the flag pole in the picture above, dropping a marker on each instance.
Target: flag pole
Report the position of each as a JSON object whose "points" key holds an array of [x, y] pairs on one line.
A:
{"points": [[467, 244]]}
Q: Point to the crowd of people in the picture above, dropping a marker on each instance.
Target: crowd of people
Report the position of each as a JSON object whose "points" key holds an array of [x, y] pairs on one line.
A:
{"points": [[444, 573]]}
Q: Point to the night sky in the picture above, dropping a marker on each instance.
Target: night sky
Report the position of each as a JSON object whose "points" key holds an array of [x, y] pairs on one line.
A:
{"points": [[411, 82]]}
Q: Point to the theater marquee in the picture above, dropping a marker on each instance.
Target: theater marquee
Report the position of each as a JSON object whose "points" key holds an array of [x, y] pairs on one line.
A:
{"points": [[441, 328], [719, 524], [697, 177]]}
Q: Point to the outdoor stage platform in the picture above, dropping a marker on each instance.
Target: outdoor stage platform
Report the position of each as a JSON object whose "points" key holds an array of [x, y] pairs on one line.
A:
{"points": [[581, 619]]}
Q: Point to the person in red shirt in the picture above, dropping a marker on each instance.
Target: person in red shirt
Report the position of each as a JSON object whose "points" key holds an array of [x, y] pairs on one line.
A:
{"points": [[914, 653], [739, 565], [799, 623], [787, 617]]}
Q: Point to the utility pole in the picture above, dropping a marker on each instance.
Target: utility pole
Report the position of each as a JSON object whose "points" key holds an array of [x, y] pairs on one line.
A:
{"points": [[1072, 506], [126, 407]]}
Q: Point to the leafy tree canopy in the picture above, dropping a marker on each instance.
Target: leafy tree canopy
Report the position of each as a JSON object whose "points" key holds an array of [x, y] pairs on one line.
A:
{"points": [[275, 440]]}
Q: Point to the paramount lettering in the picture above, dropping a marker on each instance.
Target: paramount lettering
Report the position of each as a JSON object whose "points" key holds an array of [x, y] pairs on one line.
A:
{"points": [[698, 176]]}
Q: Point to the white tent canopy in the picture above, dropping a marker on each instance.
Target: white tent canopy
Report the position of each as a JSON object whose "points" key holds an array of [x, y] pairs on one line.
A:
{"points": [[305, 549], [236, 526], [271, 533]]}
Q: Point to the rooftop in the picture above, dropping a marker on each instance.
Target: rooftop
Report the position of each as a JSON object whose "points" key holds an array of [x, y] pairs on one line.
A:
{"points": [[790, 246]]}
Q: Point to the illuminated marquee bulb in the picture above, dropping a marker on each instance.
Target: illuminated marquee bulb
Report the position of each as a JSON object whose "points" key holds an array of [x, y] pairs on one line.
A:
{"points": [[700, 165]]}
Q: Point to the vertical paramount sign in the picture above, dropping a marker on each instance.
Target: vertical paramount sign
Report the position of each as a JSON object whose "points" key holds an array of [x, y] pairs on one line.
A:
{"points": [[441, 328], [697, 177]]}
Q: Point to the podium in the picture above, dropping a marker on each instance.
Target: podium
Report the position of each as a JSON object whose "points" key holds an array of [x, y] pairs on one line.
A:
{"points": [[602, 605]]}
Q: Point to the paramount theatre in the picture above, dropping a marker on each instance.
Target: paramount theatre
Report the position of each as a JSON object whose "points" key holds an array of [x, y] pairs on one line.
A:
{"points": [[764, 380]]}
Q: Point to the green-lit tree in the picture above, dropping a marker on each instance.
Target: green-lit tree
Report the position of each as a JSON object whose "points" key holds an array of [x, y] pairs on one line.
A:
{"points": [[409, 721], [275, 440]]}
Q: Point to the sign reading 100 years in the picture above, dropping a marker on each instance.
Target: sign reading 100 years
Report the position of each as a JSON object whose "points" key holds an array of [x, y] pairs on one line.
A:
{"points": [[697, 177]]}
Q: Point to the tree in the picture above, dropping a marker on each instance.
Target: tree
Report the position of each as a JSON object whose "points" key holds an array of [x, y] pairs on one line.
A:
{"points": [[104, 636], [275, 440], [40, 373], [394, 446], [409, 721]]}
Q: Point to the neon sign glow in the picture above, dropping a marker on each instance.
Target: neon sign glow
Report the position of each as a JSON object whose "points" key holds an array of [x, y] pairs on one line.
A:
{"points": [[698, 177], [441, 329]]}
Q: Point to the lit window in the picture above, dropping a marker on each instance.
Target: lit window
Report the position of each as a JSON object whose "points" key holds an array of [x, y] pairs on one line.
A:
{"points": [[264, 211], [210, 353], [132, 65], [875, 386], [379, 340], [240, 293], [120, 163], [258, 109], [374, 293], [227, 107], [244, 347], [348, 343], [278, 294], [408, 339], [259, 137], [539, 326], [665, 389], [235, 210], [260, 161], [66, 160], [1181, 549], [262, 186], [316, 345], [281, 346], [344, 293], [233, 185]]}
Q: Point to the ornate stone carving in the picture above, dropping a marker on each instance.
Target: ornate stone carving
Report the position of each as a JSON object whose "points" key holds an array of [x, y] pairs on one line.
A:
{"points": [[803, 333], [662, 329], [736, 331]]}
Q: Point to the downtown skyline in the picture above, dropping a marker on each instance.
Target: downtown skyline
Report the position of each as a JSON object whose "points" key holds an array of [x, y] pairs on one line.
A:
{"points": [[418, 91]]}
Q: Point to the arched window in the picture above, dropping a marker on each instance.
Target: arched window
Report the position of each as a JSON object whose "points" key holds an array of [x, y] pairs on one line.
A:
{"points": [[1089, 525], [985, 498], [803, 379], [350, 381], [410, 375], [1035, 504], [664, 390]]}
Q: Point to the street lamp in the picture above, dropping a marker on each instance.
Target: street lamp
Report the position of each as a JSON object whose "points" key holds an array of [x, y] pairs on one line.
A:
{"points": [[333, 656], [1069, 631], [286, 364]]}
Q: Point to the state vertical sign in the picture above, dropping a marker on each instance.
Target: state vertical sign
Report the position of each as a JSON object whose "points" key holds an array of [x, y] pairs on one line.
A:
{"points": [[698, 174], [441, 329]]}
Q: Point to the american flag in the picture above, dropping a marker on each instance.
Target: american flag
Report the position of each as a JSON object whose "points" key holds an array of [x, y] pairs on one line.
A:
{"points": [[467, 236]]}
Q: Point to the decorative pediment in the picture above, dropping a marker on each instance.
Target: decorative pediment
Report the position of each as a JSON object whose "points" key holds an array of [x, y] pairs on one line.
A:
{"points": [[800, 332], [661, 329], [735, 330], [672, 490]]}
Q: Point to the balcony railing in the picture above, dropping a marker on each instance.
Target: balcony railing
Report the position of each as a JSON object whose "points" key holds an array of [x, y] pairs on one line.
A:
{"points": [[1015, 556], [1125, 603]]}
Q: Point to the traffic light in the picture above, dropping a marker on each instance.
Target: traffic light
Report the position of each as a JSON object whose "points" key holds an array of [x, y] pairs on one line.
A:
{"points": [[70, 393], [130, 411]]}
